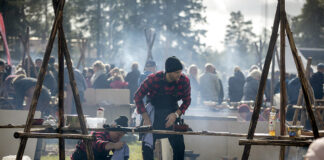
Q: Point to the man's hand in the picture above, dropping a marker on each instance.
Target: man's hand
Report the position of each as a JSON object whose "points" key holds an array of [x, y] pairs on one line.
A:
{"points": [[171, 118], [117, 145], [146, 118]]}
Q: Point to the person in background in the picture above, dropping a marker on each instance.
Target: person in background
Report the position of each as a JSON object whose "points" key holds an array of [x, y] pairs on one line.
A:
{"points": [[235, 85], [88, 76], [317, 81], [99, 78], [84, 72], [193, 77], [5, 71], [116, 81], [30, 68], [149, 68], [38, 64], [251, 85], [50, 82], [132, 79], [245, 113], [24, 89], [80, 84], [108, 69], [105, 142], [211, 88], [53, 67], [266, 114]]}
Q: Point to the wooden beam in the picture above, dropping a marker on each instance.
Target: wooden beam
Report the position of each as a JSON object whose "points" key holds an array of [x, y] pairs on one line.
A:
{"points": [[303, 80], [52, 135], [304, 143], [283, 89]]}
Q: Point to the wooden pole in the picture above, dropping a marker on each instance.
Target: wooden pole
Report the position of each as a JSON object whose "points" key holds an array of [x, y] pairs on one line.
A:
{"points": [[265, 71], [303, 81], [281, 143], [26, 45], [283, 89], [40, 80], [272, 85], [150, 37], [60, 89], [82, 48], [52, 135]]}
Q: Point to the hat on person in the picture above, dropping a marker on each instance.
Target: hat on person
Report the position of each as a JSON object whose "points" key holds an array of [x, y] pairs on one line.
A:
{"points": [[320, 66], [122, 121], [150, 63], [315, 150], [173, 64]]}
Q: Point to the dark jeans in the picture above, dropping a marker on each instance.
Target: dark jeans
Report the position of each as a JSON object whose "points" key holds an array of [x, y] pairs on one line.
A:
{"points": [[176, 142]]}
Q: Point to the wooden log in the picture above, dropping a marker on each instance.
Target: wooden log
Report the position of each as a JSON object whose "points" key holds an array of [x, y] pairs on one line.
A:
{"points": [[40, 80], [23, 126], [53, 135], [303, 80], [275, 142], [197, 133], [265, 71], [283, 89], [60, 85], [321, 132]]}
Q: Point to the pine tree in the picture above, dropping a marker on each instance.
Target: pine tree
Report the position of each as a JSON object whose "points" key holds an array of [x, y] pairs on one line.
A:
{"points": [[239, 34], [308, 28]]}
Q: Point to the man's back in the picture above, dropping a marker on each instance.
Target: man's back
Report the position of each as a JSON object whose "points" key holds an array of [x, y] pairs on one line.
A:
{"points": [[209, 87], [317, 81]]}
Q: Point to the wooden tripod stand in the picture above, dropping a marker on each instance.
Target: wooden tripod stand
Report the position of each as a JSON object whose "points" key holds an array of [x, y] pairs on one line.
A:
{"points": [[150, 37], [62, 52], [281, 18]]}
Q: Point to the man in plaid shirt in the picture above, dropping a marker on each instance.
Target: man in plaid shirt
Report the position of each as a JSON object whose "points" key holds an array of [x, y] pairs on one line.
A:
{"points": [[104, 143], [163, 91]]}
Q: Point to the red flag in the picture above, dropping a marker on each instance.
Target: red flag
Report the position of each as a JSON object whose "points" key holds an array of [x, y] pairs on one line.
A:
{"points": [[3, 35]]}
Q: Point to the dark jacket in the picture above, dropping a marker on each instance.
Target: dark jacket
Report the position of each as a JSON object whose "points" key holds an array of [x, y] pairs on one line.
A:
{"points": [[101, 82], [132, 79], [250, 89], [293, 90], [50, 82], [79, 79], [235, 87], [317, 81]]}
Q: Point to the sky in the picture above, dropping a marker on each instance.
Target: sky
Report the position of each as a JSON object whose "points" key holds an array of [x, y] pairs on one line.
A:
{"points": [[218, 14]]}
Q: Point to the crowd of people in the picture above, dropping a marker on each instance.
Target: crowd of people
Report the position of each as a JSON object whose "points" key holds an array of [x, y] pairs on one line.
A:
{"points": [[206, 86], [19, 82]]}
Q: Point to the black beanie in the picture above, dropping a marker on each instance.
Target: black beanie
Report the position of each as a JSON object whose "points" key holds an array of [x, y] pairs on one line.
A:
{"points": [[122, 121], [173, 64]]}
